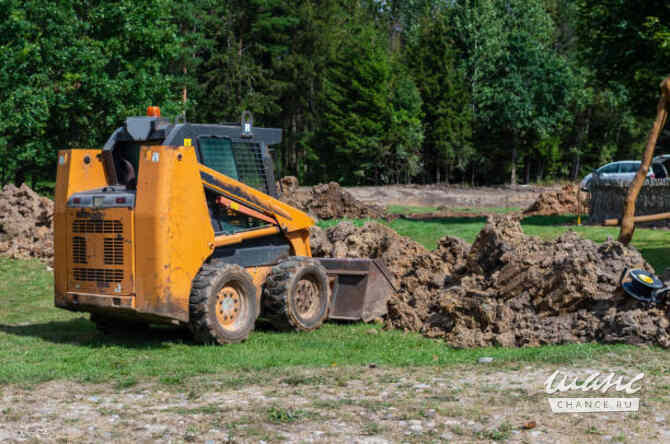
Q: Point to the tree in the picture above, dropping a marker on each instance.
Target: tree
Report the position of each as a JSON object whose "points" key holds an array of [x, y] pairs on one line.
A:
{"points": [[232, 75], [662, 109], [405, 134], [520, 86], [74, 70], [355, 109], [269, 56], [627, 43], [624, 47], [432, 58]]}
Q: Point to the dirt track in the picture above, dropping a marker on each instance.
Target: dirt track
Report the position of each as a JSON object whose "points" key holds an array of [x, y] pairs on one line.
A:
{"points": [[455, 196], [475, 403]]}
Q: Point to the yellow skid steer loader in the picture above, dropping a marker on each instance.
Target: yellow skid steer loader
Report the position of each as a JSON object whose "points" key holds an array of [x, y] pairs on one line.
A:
{"points": [[174, 222]]}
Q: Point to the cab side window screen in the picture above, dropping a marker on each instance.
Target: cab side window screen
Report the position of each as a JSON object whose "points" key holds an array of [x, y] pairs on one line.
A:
{"points": [[250, 165], [217, 154], [238, 160]]}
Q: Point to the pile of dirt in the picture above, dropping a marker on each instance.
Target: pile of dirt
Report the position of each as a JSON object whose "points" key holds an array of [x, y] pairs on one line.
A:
{"points": [[326, 201], [414, 268], [25, 224], [522, 290], [288, 185], [555, 203], [507, 289]]}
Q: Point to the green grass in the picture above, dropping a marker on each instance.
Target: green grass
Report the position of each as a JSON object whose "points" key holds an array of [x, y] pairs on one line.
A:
{"points": [[39, 342], [410, 209]]}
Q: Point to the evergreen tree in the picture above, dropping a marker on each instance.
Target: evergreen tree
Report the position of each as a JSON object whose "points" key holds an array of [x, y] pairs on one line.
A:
{"points": [[356, 112], [446, 102], [401, 153]]}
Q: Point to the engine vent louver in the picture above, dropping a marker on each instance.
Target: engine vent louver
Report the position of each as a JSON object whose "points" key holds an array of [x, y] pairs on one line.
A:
{"points": [[79, 250], [97, 226], [97, 275], [113, 253]]}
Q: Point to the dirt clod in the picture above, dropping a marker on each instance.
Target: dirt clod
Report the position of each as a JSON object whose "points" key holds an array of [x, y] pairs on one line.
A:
{"points": [[555, 203], [25, 224], [288, 184], [508, 289], [326, 201], [529, 425]]}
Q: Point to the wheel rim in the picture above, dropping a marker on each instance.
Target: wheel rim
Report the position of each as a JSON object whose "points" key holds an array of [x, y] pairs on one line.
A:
{"points": [[307, 298], [230, 306]]}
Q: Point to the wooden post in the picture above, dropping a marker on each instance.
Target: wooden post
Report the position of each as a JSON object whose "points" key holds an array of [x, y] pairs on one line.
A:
{"points": [[647, 218], [579, 206], [184, 93], [627, 221]]}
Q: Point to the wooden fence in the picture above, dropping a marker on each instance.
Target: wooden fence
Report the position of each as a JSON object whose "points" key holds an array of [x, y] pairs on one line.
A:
{"points": [[607, 200]]}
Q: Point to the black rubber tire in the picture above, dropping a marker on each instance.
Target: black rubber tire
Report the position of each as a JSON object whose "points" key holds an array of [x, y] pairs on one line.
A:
{"points": [[204, 322], [280, 296], [110, 325]]}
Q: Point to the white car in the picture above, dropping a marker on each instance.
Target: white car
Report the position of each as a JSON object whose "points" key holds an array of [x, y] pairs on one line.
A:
{"points": [[625, 170]]}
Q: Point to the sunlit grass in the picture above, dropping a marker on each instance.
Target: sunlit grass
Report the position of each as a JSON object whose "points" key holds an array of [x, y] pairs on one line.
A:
{"points": [[39, 342]]}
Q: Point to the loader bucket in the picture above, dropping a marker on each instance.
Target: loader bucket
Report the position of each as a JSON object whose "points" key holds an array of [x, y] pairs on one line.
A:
{"points": [[360, 288]]}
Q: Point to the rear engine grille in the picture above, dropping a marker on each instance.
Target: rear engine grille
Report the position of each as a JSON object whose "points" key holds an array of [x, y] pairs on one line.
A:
{"points": [[97, 226], [113, 251], [79, 250], [97, 275]]}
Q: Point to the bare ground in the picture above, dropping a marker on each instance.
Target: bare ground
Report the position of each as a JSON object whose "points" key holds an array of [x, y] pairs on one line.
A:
{"points": [[520, 196], [474, 403]]}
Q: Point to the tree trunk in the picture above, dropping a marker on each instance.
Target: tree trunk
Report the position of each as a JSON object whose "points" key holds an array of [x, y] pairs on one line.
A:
{"points": [[293, 148], [512, 179], [627, 221], [19, 176], [184, 92], [527, 170], [579, 142]]}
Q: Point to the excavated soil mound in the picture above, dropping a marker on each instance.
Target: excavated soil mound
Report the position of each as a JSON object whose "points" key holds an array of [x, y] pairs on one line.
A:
{"points": [[288, 184], [554, 203], [507, 289], [326, 201], [522, 290], [25, 224], [414, 268]]}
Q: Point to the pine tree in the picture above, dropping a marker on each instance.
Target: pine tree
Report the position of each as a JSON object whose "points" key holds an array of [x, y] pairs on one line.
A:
{"points": [[446, 102], [355, 109]]}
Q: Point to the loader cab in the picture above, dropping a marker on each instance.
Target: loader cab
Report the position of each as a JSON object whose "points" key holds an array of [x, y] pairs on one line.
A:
{"points": [[241, 152]]}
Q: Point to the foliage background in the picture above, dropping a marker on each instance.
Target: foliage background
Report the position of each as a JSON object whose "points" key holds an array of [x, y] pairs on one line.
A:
{"points": [[367, 92]]}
